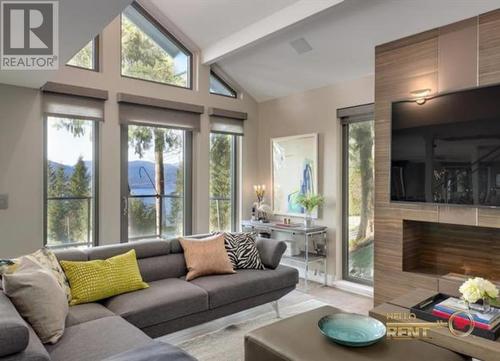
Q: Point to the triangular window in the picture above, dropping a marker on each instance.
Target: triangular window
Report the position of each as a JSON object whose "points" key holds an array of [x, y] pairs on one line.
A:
{"points": [[150, 52]]}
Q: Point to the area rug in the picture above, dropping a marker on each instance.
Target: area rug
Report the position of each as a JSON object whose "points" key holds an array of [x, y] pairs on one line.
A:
{"points": [[227, 344]]}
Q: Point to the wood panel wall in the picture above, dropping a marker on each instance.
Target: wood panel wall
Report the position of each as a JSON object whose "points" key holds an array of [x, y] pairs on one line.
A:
{"points": [[403, 66]]}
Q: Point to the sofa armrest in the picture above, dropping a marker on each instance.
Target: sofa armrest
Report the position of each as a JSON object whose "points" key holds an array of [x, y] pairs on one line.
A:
{"points": [[14, 333], [270, 251]]}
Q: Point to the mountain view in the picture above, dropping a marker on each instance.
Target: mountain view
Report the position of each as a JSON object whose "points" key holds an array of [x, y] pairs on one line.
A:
{"points": [[138, 184]]}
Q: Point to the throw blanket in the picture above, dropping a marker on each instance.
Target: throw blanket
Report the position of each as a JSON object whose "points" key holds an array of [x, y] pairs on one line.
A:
{"points": [[155, 351]]}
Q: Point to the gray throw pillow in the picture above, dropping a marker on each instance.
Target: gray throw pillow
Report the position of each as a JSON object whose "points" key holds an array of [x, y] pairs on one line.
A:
{"points": [[39, 299]]}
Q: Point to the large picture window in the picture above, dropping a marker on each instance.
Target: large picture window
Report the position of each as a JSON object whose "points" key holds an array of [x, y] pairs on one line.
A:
{"points": [[149, 52], [70, 182], [222, 182], [358, 194], [156, 182]]}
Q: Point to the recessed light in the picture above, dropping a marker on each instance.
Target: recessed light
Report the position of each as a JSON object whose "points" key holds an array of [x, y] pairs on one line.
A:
{"points": [[301, 46]]}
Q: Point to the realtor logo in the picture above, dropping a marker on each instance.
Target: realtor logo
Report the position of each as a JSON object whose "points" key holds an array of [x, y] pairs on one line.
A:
{"points": [[29, 35]]}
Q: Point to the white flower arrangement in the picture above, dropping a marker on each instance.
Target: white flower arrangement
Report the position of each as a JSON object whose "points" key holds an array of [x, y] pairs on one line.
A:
{"points": [[475, 289]]}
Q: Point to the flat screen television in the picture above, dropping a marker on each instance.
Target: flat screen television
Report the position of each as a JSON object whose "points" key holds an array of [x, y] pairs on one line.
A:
{"points": [[447, 150]]}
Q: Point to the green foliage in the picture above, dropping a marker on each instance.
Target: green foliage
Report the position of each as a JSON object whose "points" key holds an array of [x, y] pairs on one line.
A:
{"points": [[142, 217], [56, 210], [85, 57], [310, 201], [68, 218], [175, 224], [220, 181], [361, 193], [74, 126], [144, 59]]}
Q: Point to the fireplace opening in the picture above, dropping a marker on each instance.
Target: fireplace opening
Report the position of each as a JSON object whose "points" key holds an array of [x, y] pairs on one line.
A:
{"points": [[440, 249]]}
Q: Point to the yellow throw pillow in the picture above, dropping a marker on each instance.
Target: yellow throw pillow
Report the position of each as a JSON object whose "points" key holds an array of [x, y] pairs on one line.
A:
{"points": [[96, 280]]}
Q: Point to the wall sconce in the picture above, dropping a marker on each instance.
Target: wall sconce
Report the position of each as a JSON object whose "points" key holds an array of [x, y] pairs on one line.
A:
{"points": [[420, 95]]}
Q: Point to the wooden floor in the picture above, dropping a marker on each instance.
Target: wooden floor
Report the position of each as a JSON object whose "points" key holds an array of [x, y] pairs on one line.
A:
{"points": [[346, 301]]}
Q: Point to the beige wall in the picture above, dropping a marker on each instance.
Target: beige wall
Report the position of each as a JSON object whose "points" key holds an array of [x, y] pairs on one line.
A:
{"points": [[315, 111], [21, 148]]}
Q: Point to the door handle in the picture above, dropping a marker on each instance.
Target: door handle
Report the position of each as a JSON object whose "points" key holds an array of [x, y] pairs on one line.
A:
{"points": [[125, 206]]}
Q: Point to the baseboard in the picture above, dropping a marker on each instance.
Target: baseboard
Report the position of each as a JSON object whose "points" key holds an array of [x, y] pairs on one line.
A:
{"points": [[359, 289]]}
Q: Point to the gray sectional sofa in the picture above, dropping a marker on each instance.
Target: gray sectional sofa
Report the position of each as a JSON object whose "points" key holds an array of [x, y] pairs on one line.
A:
{"points": [[97, 331]]}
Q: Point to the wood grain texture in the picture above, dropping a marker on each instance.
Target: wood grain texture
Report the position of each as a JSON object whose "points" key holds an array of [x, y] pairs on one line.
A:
{"points": [[400, 67], [440, 249], [489, 48]]}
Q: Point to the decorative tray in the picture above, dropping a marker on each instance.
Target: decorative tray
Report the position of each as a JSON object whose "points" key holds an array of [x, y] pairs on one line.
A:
{"points": [[424, 310]]}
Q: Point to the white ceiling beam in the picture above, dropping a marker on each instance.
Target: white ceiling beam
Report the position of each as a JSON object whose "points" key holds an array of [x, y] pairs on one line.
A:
{"points": [[281, 19]]}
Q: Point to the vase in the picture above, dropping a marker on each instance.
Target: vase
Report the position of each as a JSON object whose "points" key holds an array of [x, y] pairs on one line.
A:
{"points": [[484, 306], [308, 221]]}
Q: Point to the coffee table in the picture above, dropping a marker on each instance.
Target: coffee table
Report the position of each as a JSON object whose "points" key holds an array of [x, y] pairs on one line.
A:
{"points": [[298, 339], [474, 346]]}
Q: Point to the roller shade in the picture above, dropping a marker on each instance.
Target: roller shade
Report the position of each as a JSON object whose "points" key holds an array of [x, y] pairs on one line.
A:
{"points": [[356, 114], [227, 121], [140, 110], [73, 102]]}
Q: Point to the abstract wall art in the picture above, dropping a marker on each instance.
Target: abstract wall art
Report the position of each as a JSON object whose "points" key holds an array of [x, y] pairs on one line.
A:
{"points": [[294, 172]]}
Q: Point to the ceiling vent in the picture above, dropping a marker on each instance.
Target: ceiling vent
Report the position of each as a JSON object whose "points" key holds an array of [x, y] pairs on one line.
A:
{"points": [[301, 46]]}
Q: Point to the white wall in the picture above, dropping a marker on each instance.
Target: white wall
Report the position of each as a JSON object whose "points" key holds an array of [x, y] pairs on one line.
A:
{"points": [[315, 111], [21, 148]]}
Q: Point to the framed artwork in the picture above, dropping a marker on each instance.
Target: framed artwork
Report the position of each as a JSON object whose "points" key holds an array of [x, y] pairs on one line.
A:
{"points": [[294, 171]]}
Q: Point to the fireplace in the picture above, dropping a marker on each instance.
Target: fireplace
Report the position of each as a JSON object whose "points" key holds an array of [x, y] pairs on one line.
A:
{"points": [[441, 249]]}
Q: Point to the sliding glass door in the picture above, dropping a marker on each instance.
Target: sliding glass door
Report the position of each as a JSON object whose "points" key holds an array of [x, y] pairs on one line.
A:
{"points": [[358, 196], [223, 180], [156, 189]]}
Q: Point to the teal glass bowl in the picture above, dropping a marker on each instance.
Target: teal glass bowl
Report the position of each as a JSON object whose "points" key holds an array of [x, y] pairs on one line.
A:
{"points": [[352, 330]]}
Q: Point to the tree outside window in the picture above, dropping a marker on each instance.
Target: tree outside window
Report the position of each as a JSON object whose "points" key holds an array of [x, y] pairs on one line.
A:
{"points": [[222, 165], [70, 181], [149, 53]]}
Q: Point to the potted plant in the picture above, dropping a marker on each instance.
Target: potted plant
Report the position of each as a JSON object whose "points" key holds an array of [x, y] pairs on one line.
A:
{"points": [[309, 202]]}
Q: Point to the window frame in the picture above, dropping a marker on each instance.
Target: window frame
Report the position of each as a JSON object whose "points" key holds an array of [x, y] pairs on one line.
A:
{"points": [[230, 88], [169, 35], [234, 181], [96, 56], [345, 123], [96, 125], [187, 217]]}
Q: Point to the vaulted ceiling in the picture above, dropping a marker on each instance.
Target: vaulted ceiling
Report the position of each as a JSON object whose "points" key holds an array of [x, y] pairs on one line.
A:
{"points": [[250, 39]]}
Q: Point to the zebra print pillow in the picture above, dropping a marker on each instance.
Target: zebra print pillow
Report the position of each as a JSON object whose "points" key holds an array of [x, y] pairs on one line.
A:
{"points": [[242, 250]]}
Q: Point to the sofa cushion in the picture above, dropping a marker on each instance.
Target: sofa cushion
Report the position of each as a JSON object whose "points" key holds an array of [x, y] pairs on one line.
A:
{"points": [[163, 301], [161, 267], [86, 312], [97, 339], [143, 249], [225, 289]]}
